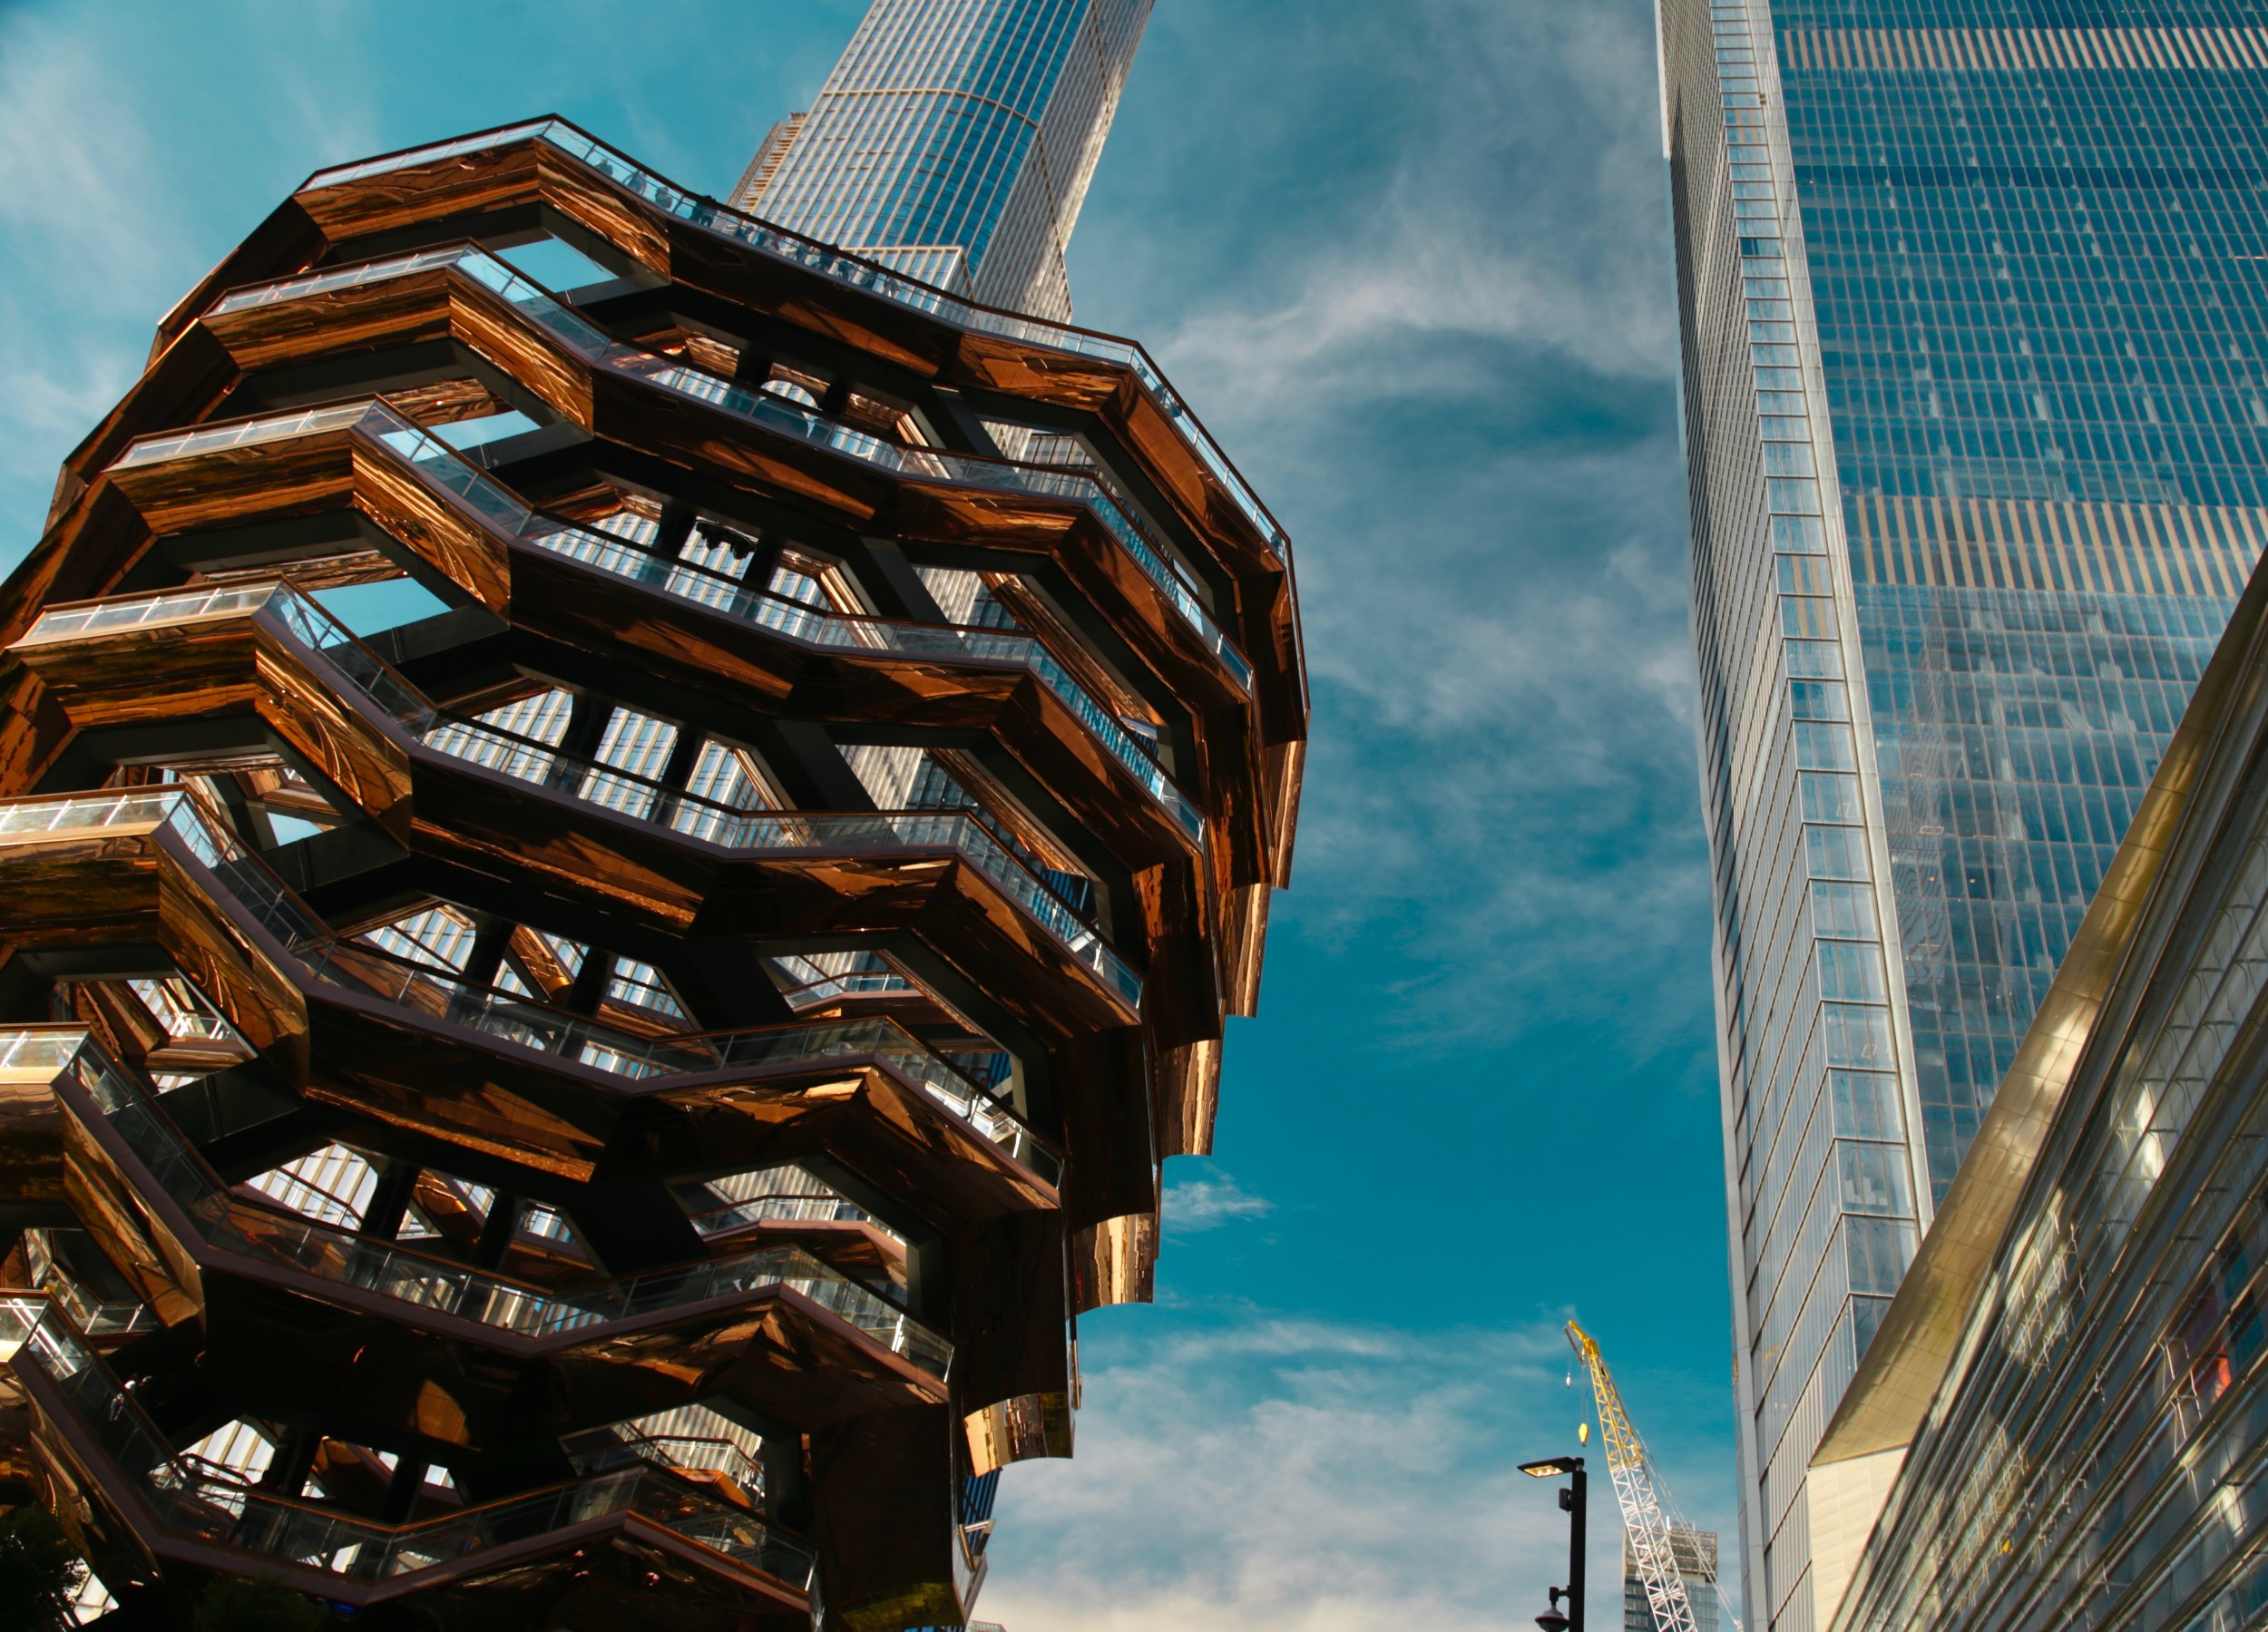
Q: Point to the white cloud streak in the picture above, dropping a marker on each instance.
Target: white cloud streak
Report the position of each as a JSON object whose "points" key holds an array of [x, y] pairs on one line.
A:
{"points": [[74, 149], [1193, 1205], [1273, 1475], [1452, 378]]}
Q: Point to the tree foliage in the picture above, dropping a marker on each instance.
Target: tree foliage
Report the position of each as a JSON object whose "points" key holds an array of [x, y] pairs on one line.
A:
{"points": [[38, 1569], [254, 1604]]}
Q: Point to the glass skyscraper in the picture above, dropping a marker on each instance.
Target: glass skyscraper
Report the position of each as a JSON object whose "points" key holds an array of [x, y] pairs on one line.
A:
{"points": [[1977, 421], [954, 141]]}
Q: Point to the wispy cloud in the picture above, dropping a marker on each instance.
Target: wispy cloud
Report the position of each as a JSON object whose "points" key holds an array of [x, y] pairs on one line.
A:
{"points": [[1271, 1475], [1194, 1203], [78, 158], [140, 140], [1452, 373]]}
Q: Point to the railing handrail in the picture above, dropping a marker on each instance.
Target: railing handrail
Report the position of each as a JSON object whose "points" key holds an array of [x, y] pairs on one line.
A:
{"points": [[52, 1344], [417, 449], [98, 1076], [595, 347], [870, 276], [731, 826]]}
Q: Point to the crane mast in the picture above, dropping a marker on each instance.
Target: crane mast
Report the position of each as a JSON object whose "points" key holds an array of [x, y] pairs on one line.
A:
{"points": [[1650, 1517]]}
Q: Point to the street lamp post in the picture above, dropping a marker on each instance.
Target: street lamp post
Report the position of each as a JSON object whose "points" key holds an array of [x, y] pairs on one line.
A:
{"points": [[1573, 1502]]}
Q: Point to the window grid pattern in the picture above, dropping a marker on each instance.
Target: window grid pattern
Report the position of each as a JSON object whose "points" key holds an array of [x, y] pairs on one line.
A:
{"points": [[1818, 1138], [643, 986], [955, 139], [440, 937], [2102, 1460], [2023, 257], [2033, 235], [331, 1185]]}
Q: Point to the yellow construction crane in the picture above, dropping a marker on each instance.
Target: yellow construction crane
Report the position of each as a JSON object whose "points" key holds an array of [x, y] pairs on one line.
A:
{"points": [[1649, 1519]]}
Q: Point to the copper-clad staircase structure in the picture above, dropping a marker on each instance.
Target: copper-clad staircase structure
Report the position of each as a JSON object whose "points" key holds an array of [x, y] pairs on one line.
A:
{"points": [[597, 1102]]}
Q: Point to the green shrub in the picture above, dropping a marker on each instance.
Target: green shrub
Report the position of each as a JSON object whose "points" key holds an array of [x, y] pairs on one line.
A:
{"points": [[38, 1569], [249, 1604]]}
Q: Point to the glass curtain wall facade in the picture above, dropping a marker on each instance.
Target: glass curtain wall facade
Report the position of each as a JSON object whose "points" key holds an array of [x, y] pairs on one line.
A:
{"points": [[1970, 293], [2085, 1449], [954, 141]]}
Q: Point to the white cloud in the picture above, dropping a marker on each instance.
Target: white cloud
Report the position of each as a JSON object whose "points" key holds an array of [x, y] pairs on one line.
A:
{"points": [[78, 206], [1451, 372], [1193, 1204], [1271, 1475]]}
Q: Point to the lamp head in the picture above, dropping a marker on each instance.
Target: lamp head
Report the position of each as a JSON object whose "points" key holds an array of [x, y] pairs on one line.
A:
{"points": [[1552, 1467], [1551, 1620]]}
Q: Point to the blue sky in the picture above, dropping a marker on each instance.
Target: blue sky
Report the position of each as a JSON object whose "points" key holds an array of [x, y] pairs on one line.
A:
{"points": [[1410, 263]]}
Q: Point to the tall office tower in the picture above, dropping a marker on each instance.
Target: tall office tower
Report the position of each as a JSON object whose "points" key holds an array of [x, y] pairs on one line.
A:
{"points": [[2064, 1422], [1697, 1562], [954, 141], [605, 916], [1971, 301]]}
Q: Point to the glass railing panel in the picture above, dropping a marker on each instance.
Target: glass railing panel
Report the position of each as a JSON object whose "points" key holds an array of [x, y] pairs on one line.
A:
{"points": [[856, 982], [443, 467], [774, 830], [202, 1501], [133, 808], [605, 1449], [18, 1316], [256, 888], [96, 1316], [859, 273], [571, 329], [310, 623], [125, 1434], [886, 1040], [342, 174], [441, 995], [594, 346], [779, 1209], [126, 613], [340, 278], [152, 450], [314, 626], [346, 1258], [439, 464], [44, 1052]]}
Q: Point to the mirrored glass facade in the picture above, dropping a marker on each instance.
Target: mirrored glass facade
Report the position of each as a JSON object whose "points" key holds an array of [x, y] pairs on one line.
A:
{"points": [[1972, 300], [954, 141], [2095, 1451]]}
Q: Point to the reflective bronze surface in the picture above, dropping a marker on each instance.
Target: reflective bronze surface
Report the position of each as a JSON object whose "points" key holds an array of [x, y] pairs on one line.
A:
{"points": [[718, 990]]}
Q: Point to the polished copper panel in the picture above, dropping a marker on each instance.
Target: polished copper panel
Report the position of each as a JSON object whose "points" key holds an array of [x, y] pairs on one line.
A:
{"points": [[997, 1205], [462, 187], [1115, 1261], [31, 1139], [583, 1569]]}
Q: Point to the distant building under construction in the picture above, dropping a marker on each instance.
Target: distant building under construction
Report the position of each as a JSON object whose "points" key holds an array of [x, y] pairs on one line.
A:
{"points": [[1697, 1562]]}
